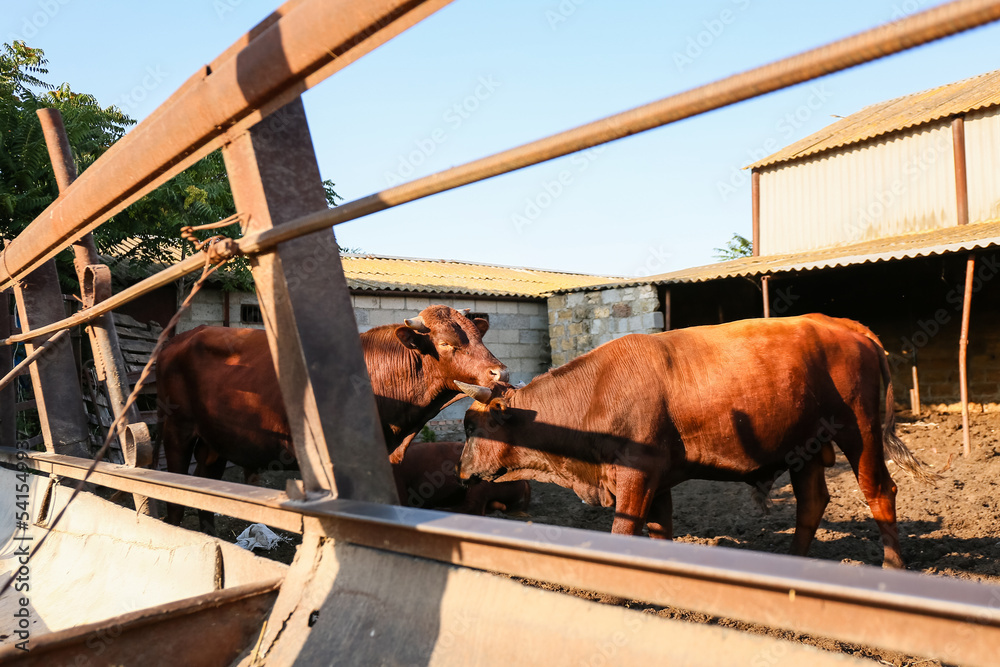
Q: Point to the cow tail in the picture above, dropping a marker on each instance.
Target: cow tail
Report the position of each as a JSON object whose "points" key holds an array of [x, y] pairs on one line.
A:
{"points": [[894, 447]]}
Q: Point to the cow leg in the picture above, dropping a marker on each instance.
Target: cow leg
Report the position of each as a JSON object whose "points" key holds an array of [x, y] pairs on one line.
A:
{"points": [[866, 457], [178, 446], [811, 498], [211, 466], [633, 499], [660, 522]]}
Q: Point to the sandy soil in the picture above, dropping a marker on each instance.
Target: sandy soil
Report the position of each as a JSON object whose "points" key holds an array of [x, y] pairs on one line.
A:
{"points": [[951, 529]]}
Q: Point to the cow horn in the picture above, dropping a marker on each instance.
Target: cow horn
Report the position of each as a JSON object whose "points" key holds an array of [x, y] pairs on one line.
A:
{"points": [[481, 394], [465, 311], [417, 324]]}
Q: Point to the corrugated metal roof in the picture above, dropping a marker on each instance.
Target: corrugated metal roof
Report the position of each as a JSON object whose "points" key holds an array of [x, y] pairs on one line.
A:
{"points": [[936, 242], [433, 276], [371, 272], [899, 114]]}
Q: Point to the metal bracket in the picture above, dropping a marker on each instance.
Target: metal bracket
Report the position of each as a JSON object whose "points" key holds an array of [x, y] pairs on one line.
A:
{"points": [[137, 445], [96, 284]]}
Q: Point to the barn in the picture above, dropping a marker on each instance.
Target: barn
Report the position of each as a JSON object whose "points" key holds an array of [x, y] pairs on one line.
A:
{"points": [[882, 217]]}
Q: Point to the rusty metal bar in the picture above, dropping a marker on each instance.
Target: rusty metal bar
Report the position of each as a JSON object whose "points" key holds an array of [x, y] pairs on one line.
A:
{"points": [[963, 350], [955, 620], [892, 38], [316, 351], [37, 352], [165, 277], [195, 120], [962, 214], [302, 44], [915, 392], [876, 43], [961, 172], [755, 209], [145, 637], [8, 394], [251, 503], [58, 395], [765, 288], [95, 286]]}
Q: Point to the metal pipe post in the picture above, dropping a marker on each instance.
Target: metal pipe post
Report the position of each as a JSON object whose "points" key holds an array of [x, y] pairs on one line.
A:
{"points": [[963, 348]]}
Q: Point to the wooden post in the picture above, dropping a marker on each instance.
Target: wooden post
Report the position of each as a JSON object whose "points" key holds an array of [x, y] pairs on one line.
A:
{"points": [[308, 316]]}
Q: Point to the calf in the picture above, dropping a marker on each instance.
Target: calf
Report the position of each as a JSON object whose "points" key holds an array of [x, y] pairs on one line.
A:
{"points": [[427, 478], [743, 401]]}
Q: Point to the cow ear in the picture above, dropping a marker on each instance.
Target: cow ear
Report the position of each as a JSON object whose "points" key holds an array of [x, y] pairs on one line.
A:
{"points": [[482, 324], [499, 410], [409, 337]]}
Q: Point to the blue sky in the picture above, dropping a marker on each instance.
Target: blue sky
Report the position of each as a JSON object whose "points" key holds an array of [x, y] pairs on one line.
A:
{"points": [[479, 77]]}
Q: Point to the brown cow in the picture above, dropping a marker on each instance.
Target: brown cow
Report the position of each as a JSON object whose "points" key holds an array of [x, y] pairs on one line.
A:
{"points": [[743, 401], [427, 477], [219, 396]]}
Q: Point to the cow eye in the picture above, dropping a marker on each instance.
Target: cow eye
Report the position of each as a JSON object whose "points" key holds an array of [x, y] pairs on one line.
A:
{"points": [[443, 345]]}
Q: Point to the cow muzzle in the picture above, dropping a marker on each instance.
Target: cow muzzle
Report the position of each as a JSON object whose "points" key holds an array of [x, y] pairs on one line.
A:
{"points": [[500, 374]]}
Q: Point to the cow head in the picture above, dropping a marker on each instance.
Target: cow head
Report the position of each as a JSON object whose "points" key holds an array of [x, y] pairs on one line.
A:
{"points": [[456, 343], [489, 452]]}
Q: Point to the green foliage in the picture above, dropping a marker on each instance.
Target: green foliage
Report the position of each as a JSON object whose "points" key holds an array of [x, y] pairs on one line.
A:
{"points": [[736, 247], [427, 434], [145, 234]]}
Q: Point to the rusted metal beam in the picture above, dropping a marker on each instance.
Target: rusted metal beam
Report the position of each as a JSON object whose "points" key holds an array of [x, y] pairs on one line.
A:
{"points": [[8, 393], [304, 42], [208, 630], [95, 285], [954, 620], [765, 289], [251, 503], [30, 359], [963, 352], [755, 209], [961, 171], [198, 118], [879, 42], [56, 383], [962, 215], [308, 315]]}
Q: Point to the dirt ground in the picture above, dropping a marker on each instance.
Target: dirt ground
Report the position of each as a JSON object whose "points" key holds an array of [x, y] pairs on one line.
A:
{"points": [[950, 529]]}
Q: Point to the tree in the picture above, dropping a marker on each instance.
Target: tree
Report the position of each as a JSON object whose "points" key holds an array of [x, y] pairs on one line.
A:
{"points": [[736, 247], [150, 227]]}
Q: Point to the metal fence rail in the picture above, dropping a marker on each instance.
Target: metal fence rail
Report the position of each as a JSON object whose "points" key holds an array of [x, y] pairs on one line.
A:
{"points": [[232, 105]]}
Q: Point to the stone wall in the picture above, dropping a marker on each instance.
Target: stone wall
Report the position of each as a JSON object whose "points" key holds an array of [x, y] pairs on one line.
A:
{"points": [[580, 321]]}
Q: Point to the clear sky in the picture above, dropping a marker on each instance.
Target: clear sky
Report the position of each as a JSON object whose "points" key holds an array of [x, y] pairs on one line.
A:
{"points": [[482, 76]]}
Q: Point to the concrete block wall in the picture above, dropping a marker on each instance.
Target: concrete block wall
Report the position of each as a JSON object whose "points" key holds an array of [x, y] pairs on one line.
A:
{"points": [[518, 333], [936, 342], [580, 321], [207, 308]]}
